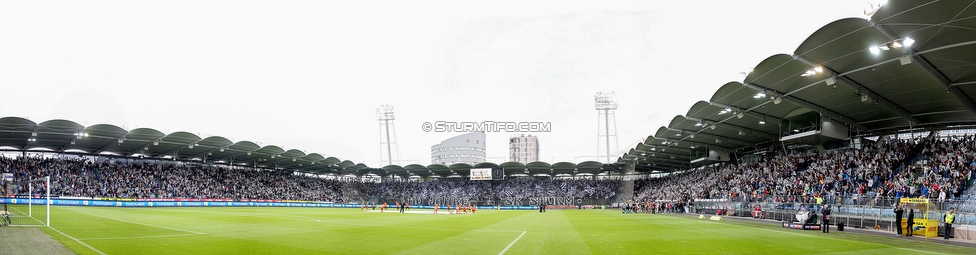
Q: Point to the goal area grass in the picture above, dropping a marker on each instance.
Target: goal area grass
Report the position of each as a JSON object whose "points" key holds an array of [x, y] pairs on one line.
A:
{"points": [[275, 230]]}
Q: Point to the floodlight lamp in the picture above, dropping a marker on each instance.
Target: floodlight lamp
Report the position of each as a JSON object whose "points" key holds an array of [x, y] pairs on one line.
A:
{"points": [[908, 42], [713, 127], [883, 47], [762, 122], [692, 136], [777, 100], [818, 69], [759, 95], [874, 50], [739, 115]]}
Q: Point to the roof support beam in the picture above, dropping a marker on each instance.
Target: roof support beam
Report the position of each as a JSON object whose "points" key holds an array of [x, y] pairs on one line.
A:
{"points": [[664, 163], [103, 148], [733, 126], [817, 108], [744, 143], [920, 60], [884, 102]]}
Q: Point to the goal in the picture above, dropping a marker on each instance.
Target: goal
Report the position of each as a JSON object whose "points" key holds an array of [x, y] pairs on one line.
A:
{"points": [[32, 209]]}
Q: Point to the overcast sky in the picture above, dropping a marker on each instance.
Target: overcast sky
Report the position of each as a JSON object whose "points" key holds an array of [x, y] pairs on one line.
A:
{"points": [[309, 75]]}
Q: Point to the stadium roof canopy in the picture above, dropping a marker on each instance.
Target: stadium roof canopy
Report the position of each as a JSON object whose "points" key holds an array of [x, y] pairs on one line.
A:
{"points": [[64, 136], [911, 66]]}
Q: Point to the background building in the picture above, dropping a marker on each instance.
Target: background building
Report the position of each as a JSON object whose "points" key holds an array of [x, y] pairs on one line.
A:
{"points": [[467, 148], [523, 149]]}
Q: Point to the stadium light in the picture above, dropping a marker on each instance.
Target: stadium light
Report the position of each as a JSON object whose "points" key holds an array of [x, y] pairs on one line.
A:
{"points": [[908, 42]]}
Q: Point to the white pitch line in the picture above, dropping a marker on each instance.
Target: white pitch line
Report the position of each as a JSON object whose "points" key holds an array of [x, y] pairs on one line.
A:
{"points": [[824, 237], [512, 243], [135, 237], [79, 241], [150, 225]]}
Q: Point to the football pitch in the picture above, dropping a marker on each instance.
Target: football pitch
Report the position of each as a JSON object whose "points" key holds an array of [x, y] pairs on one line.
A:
{"points": [[269, 230]]}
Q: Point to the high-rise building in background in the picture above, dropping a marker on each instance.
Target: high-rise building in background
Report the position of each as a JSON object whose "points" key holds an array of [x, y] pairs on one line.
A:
{"points": [[523, 149], [467, 148]]}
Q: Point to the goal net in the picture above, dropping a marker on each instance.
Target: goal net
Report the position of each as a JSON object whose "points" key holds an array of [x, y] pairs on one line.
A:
{"points": [[27, 206]]}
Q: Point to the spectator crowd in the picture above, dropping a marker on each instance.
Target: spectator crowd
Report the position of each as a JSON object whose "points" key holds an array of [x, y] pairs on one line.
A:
{"points": [[82, 177], [929, 167], [148, 179]]}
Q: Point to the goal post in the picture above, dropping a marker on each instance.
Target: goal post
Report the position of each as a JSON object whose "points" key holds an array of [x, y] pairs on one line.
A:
{"points": [[32, 210]]}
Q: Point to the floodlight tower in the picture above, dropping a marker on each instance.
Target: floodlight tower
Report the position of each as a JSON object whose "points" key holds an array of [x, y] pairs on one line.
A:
{"points": [[385, 116], [605, 106]]}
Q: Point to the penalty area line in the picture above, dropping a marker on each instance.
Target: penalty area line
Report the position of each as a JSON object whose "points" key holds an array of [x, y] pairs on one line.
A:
{"points": [[76, 240], [148, 225], [135, 237], [512, 243]]}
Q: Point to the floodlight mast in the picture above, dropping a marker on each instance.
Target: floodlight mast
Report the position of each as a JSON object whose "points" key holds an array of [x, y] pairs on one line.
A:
{"points": [[606, 103], [385, 115]]}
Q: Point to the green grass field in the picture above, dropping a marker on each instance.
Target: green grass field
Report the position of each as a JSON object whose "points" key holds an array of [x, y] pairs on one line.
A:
{"points": [[184, 230]]}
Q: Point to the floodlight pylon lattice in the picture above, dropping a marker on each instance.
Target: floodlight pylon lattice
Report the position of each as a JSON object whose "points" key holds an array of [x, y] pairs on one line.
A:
{"points": [[606, 104], [384, 114]]}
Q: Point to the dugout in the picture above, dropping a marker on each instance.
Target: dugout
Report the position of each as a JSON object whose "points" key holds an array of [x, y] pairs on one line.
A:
{"points": [[924, 225]]}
